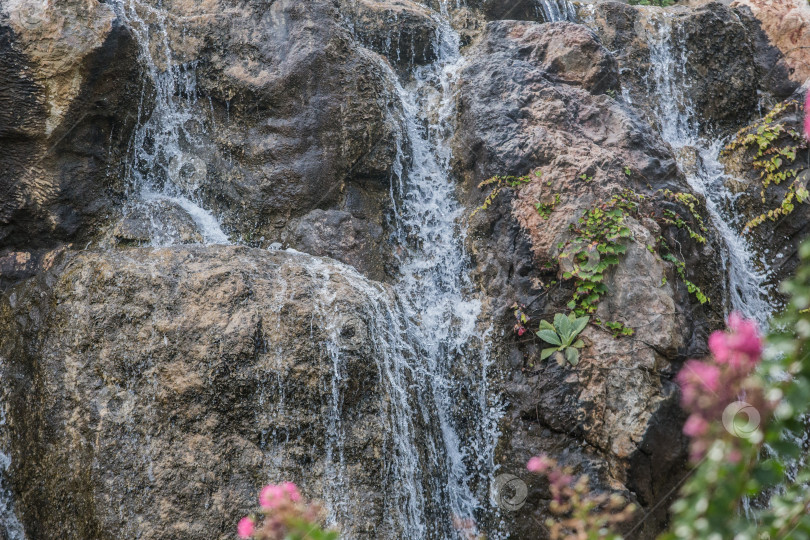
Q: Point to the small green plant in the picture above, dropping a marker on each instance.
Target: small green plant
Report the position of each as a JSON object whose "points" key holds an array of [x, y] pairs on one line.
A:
{"points": [[522, 319], [585, 178], [563, 336], [619, 329], [597, 245], [680, 268], [500, 183], [611, 93], [627, 171]]}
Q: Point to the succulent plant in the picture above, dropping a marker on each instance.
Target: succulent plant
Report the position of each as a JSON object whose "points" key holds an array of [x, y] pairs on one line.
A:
{"points": [[563, 336]]}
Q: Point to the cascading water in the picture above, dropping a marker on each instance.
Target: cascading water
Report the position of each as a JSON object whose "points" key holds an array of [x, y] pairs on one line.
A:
{"points": [[10, 526], [433, 287], [165, 163], [557, 10], [679, 124], [441, 425]]}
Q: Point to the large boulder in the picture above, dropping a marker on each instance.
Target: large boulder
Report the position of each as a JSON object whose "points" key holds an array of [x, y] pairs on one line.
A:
{"points": [[152, 392], [616, 414], [68, 101], [297, 117]]}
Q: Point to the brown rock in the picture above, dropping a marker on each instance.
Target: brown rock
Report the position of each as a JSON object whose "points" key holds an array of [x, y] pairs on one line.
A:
{"points": [[155, 392], [787, 23], [68, 99]]}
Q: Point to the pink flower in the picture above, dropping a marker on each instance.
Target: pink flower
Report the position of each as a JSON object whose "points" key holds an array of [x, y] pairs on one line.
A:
{"points": [[697, 377], [744, 337], [718, 345], [521, 331], [807, 116], [559, 479], [695, 426], [539, 464], [271, 496], [292, 491], [245, 527], [739, 348]]}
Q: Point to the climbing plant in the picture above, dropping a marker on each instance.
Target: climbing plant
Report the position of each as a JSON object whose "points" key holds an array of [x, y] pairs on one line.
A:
{"points": [[500, 183], [599, 243], [773, 161]]}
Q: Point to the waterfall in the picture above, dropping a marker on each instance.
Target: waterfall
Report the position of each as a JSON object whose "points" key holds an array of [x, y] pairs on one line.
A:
{"points": [[679, 124], [557, 10], [434, 289], [165, 163], [10, 526]]}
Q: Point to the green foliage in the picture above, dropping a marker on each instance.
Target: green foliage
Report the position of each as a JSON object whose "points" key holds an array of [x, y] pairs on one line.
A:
{"points": [[597, 245], [618, 329], [562, 335], [585, 178], [771, 160], [500, 183], [691, 202], [680, 268]]}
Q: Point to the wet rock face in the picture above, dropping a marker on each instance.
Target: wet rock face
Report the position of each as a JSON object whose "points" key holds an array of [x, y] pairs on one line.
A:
{"points": [[775, 240], [523, 111], [286, 112], [297, 124], [68, 100], [402, 31], [155, 391], [728, 59]]}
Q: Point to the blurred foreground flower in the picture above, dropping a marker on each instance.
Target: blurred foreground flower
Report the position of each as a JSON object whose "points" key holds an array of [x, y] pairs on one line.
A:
{"points": [[284, 515], [579, 512], [712, 390]]}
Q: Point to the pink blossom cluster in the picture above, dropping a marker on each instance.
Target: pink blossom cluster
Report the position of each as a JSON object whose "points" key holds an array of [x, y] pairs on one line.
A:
{"points": [[558, 478], [282, 512], [708, 387]]}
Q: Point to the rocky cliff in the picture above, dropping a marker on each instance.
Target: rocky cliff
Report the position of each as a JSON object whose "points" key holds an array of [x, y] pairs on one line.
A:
{"points": [[153, 377]]}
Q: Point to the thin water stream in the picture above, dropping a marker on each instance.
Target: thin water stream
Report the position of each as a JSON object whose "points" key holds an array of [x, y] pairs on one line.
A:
{"points": [[679, 125]]}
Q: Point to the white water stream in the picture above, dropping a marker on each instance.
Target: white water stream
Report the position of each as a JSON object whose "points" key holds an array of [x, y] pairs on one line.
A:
{"points": [[166, 154], [679, 125]]}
